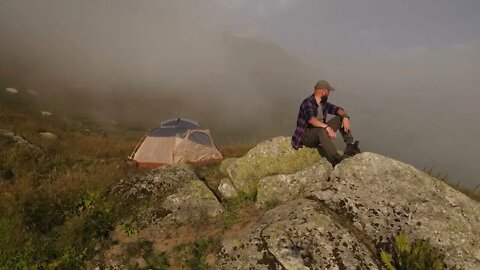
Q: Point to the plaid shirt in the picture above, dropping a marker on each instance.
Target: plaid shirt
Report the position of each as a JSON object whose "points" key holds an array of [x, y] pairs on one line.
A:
{"points": [[309, 109]]}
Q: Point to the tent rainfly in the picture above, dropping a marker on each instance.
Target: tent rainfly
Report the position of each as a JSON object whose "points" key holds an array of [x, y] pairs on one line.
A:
{"points": [[175, 141]]}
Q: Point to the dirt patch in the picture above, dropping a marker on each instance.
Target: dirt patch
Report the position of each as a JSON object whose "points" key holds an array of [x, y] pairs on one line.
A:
{"points": [[248, 216]]}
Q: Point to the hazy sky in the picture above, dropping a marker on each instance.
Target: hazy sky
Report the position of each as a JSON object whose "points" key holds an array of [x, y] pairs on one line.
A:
{"points": [[406, 70]]}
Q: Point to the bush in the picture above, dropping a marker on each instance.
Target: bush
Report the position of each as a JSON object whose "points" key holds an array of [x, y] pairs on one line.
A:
{"points": [[41, 214], [194, 254], [419, 255]]}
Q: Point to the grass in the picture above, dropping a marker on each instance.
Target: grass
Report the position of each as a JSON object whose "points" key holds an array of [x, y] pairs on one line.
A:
{"points": [[416, 255], [472, 193], [53, 206], [195, 254]]}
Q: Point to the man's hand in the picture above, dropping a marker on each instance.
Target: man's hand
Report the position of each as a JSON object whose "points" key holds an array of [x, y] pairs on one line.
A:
{"points": [[331, 133], [346, 124]]}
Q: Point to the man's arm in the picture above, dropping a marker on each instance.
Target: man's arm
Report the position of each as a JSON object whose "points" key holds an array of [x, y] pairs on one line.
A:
{"points": [[345, 119], [341, 112], [317, 123]]}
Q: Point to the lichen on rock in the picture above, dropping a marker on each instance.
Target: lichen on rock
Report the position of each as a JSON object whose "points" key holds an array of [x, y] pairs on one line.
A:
{"points": [[383, 196], [296, 235], [274, 156], [282, 188], [192, 202]]}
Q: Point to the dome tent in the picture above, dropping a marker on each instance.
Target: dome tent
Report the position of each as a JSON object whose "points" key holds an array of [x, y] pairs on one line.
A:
{"points": [[175, 141]]}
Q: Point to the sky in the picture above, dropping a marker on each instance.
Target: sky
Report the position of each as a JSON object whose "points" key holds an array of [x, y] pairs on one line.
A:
{"points": [[405, 70]]}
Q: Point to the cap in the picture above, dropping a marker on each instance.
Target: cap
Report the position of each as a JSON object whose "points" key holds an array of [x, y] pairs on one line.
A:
{"points": [[322, 84]]}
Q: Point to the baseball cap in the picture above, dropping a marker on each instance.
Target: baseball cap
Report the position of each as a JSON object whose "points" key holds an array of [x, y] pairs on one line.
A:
{"points": [[322, 84]]}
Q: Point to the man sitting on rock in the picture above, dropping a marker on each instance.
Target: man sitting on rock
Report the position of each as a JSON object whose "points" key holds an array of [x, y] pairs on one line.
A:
{"points": [[313, 129]]}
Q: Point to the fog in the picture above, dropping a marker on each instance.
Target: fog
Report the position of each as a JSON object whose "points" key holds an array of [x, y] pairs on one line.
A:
{"points": [[405, 71]]}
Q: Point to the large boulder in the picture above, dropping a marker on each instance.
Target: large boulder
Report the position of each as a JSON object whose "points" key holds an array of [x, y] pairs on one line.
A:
{"points": [[274, 156], [182, 196], [192, 202], [382, 197], [282, 188], [296, 235], [157, 183]]}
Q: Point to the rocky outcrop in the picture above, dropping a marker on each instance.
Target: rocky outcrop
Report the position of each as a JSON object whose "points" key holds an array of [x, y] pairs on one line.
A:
{"points": [[274, 156], [320, 217], [182, 195], [296, 235], [379, 196], [19, 140], [157, 183], [382, 197]]}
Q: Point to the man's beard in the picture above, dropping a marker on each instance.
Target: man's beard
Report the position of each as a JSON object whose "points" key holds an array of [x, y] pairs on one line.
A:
{"points": [[324, 99]]}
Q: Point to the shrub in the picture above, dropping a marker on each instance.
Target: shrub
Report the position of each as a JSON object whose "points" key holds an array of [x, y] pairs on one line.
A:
{"points": [[41, 214], [99, 223], [419, 255], [194, 254]]}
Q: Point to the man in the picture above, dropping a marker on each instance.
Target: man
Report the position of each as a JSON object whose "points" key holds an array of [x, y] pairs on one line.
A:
{"points": [[313, 128]]}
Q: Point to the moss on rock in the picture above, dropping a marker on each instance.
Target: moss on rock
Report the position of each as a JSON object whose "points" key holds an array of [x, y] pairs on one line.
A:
{"points": [[274, 156]]}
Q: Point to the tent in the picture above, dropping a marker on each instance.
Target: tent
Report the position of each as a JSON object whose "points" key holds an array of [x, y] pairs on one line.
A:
{"points": [[175, 141]]}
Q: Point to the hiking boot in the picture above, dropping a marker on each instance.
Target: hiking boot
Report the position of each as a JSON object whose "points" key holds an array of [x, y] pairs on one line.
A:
{"points": [[352, 149], [337, 159]]}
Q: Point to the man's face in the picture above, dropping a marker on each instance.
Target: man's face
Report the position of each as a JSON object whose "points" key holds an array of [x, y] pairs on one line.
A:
{"points": [[325, 93]]}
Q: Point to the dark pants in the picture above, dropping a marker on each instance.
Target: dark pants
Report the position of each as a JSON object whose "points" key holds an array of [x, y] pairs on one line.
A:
{"points": [[314, 136]]}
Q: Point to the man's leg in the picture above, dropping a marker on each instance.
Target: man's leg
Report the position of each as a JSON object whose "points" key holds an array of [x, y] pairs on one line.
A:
{"points": [[336, 123], [352, 145], [315, 136], [327, 144], [310, 138]]}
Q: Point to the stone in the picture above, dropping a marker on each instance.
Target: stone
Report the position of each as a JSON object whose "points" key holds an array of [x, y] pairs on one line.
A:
{"points": [[282, 188], [19, 140], [193, 202], [48, 135], [382, 196], [296, 235], [274, 156], [46, 114], [226, 189], [225, 164], [11, 90], [157, 183]]}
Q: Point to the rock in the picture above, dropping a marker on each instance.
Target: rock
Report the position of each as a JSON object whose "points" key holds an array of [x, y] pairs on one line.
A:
{"points": [[20, 141], [226, 189], [274, 156], [282, 188], [296, 235], [11, 90], [157, 183], [225, 164], [382, 197], [193, 202], [48, 135], [46, 114]]}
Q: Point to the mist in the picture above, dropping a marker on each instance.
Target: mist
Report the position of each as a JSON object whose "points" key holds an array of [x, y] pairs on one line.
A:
{"points": [[242, 68]]}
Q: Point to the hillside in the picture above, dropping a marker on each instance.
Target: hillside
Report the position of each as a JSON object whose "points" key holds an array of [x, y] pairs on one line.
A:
{"points": [[71, 203], [253, 81]]}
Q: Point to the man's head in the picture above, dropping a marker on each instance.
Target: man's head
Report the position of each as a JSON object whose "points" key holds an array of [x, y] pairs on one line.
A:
{"points": [[323, 89]]}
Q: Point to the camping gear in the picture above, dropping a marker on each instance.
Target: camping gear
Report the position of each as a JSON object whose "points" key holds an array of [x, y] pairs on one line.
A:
{"points": [[175, 141]]}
